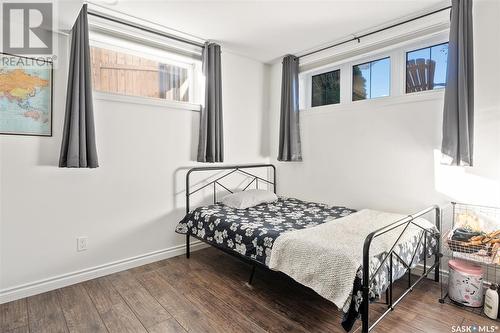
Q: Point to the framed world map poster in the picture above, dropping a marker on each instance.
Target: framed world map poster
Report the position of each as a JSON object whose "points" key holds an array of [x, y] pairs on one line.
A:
{"points": [[25, 95]]}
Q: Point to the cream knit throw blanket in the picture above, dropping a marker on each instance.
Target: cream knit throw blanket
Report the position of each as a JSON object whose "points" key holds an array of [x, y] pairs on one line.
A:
{"points": [[326, 258]]}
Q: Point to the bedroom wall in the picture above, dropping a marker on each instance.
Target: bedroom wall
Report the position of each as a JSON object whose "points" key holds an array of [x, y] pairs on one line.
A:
{"points": [[382, 154], [127, 207]]}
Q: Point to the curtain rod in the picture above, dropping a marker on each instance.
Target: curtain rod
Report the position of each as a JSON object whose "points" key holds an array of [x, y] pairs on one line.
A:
{"points": [[146, 29], [357, 38]]}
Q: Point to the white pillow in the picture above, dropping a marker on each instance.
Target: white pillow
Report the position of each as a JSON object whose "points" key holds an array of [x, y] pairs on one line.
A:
{"points": [[249, 198]]}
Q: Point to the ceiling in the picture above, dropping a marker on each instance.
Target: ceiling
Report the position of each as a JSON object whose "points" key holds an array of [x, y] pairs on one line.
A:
{"points": [[267, 30]]}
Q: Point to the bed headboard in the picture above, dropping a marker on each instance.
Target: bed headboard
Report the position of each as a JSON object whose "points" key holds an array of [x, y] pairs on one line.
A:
{"points": [[242, 169]]}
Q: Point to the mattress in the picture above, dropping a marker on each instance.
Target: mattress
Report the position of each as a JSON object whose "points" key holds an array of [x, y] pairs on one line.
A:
{"points": [[251, 233]]}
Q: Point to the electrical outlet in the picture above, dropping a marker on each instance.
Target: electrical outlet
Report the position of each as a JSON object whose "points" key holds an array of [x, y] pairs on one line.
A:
{"points": [[81, 243]]}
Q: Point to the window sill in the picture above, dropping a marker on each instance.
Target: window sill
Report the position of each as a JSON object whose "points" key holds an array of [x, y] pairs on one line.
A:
{"points": [[422, 96], [146, 101]]}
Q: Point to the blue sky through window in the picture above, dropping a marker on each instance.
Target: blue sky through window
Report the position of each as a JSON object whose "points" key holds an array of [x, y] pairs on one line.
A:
{"points": [[439, 54], [372, 79], [380, 78]]}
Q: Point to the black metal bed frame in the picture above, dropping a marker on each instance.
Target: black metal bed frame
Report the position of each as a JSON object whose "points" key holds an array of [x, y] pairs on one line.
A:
{"points": [[367, 277], [391, 255]]}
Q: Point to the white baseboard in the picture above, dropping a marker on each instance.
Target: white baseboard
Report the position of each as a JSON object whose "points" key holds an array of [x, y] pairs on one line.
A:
{"points": [[419, 270], [63, 280]]}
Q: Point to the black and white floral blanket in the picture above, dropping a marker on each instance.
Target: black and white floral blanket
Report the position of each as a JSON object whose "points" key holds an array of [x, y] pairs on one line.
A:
{"points": [[251, 232]]}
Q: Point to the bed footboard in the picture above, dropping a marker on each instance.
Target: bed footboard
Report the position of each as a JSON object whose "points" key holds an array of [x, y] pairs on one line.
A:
{"points": [[368, 278]]}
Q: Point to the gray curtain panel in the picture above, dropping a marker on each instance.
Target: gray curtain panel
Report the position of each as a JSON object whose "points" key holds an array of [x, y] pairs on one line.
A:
{"points": [[78, 148], [458, 118], [211, 140], [289, 142]]}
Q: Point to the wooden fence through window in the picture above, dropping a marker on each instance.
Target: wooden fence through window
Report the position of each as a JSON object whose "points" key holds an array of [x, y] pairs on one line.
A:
{"points": [[127, 74]]}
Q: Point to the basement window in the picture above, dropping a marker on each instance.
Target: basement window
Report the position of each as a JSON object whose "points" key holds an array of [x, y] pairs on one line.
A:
{"points": [[411, 70], [326, 88], [371, 79], [426, 68], [132, 66], [120, 72]]}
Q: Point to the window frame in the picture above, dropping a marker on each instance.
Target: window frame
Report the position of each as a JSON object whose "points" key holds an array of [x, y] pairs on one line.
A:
{"points": [[418, 45], [340, 86], [305, 86], [397, 55], [114, 42], [406, 60], [370, 62]]}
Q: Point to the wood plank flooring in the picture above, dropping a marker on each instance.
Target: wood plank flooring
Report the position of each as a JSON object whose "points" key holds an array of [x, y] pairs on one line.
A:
{"points": [[209, 293]]}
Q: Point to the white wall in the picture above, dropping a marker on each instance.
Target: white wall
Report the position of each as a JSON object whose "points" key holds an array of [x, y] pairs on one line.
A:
{"points": [[382, 154], [128, 206]]}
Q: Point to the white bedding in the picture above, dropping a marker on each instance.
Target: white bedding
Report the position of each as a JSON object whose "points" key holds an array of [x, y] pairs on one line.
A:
{"points": [[326, 257]]}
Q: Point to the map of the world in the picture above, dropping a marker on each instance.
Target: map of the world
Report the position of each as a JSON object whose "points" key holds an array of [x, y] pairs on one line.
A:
{"points": [[25, 96]]}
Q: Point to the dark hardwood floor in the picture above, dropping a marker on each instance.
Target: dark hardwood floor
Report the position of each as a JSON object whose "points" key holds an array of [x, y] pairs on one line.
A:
{"points": [[208, 293]]}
